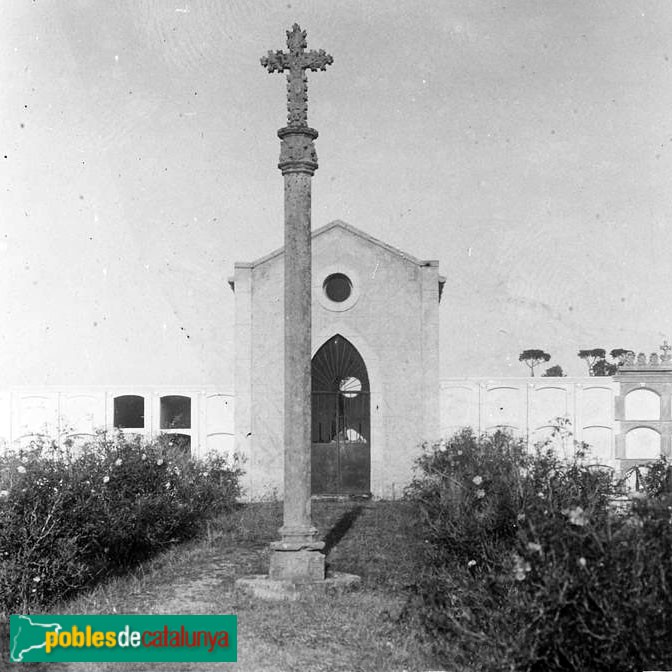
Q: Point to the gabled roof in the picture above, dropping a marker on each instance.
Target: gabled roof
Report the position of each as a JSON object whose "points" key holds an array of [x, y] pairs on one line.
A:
{"points": [[338, 224]]}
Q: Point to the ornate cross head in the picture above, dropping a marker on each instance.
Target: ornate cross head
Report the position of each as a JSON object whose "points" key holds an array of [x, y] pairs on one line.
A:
{"points": [[296, 61]]}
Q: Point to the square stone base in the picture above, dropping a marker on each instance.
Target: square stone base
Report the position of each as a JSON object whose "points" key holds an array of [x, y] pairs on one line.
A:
{"points": [[303, 566]]}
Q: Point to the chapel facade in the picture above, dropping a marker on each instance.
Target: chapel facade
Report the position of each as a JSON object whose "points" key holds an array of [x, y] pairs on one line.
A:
{"points": [[375, 364]]}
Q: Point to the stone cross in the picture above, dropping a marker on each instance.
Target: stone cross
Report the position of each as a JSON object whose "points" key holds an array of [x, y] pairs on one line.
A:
{"points": [[296, 62], [296, 557]]}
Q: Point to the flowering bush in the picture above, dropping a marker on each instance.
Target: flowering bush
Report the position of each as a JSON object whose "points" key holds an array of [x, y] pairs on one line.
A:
{"points": [[529, 567], [67, 519]]}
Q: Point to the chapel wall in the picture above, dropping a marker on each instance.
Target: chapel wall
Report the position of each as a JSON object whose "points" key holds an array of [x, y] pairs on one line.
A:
{"points": [[392, 321]]}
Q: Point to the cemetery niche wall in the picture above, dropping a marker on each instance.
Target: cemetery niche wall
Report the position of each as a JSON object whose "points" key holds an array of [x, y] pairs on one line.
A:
{"points": [[643, 408], [375, 380], [376, 392], [199, 418]]}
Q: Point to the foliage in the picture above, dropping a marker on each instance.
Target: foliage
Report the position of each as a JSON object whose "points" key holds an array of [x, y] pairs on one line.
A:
{"points": [[67, 517], [598, 365], [529, 567], [553, 371], [533, 358], [619, 355], [604, 368], [592, 356]]}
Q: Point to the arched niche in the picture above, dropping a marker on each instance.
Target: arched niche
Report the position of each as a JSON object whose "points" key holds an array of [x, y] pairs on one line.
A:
{"points": [[600, 442], [642, 404], [175, 412], [503, 407], [546, 404], [129, 411], [642, 443]]}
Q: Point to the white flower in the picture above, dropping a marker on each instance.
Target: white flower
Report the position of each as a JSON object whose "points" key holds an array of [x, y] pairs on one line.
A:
{"points": [[37, 579], [4, 493], [477, 480], [520, 568], [480, 494], [576, 516], [582, 562], [159, 462], [117, 462], [21, 469], [144, 457], [471, 563], [106, 479]]}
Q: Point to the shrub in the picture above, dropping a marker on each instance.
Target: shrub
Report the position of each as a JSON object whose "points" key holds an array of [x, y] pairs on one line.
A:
{"points": [[528, 567], [69, 518]]}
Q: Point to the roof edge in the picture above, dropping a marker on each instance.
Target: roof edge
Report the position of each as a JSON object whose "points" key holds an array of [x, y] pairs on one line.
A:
{"points": [[338, 223]]}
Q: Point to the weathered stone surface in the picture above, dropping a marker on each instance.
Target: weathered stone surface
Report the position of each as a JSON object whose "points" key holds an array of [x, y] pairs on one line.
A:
{"points": [[296, 565], [296, 557], [296, 61]]}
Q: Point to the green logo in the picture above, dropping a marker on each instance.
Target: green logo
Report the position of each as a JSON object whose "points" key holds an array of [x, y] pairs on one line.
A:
{"points": [[119, 638]]}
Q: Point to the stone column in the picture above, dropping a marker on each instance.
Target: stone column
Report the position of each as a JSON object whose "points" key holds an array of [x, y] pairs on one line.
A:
{"points": [[296, 557]]}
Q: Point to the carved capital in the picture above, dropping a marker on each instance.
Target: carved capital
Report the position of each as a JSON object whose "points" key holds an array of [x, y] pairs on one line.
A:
{"points": [[297, 150]]}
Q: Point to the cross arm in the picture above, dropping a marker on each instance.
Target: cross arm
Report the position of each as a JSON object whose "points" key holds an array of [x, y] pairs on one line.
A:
{"points": [[316, 60], [275, 61]]}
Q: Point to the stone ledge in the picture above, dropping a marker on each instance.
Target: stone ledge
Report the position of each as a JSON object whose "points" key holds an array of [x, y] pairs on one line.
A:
{"points": [[261, 586]]}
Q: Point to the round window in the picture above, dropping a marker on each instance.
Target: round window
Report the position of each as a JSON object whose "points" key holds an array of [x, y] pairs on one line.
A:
{"points": [[337, 287]]}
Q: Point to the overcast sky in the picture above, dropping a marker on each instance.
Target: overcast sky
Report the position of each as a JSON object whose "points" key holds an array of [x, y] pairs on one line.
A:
{"points": [[526, 145]]}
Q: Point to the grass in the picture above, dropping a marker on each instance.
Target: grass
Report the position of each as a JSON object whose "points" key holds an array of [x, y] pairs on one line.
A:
{"points": [[354, 632]]}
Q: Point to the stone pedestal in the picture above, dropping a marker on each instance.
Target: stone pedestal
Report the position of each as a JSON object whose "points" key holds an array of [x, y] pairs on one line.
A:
{"points": [[298, 566]]}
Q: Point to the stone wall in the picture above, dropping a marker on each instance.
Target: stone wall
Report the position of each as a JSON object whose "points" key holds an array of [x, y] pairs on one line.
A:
{"points": [[78, 412], [626, 420], [529, 407]]}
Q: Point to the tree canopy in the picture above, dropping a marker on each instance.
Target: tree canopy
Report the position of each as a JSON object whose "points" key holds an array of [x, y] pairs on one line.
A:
{"points": [[597, 362], [591, 357], [533, 358]]}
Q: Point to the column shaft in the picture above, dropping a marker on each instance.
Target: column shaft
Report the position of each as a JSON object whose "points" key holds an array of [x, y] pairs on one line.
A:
{"points": [[297, 514]]}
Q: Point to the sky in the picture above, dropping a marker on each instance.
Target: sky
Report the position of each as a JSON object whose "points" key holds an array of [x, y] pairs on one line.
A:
{"points": [[525, 144]]}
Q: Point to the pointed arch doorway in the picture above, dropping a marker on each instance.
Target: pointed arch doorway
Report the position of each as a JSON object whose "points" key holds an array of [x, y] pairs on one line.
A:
{"points": [[341, 421]]}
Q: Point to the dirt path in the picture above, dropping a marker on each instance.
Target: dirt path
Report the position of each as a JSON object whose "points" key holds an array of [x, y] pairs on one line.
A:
{"points": [[354, 632]]}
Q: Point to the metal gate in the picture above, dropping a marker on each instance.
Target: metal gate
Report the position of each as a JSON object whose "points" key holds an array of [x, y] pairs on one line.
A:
{"points": [[341, 424]]}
